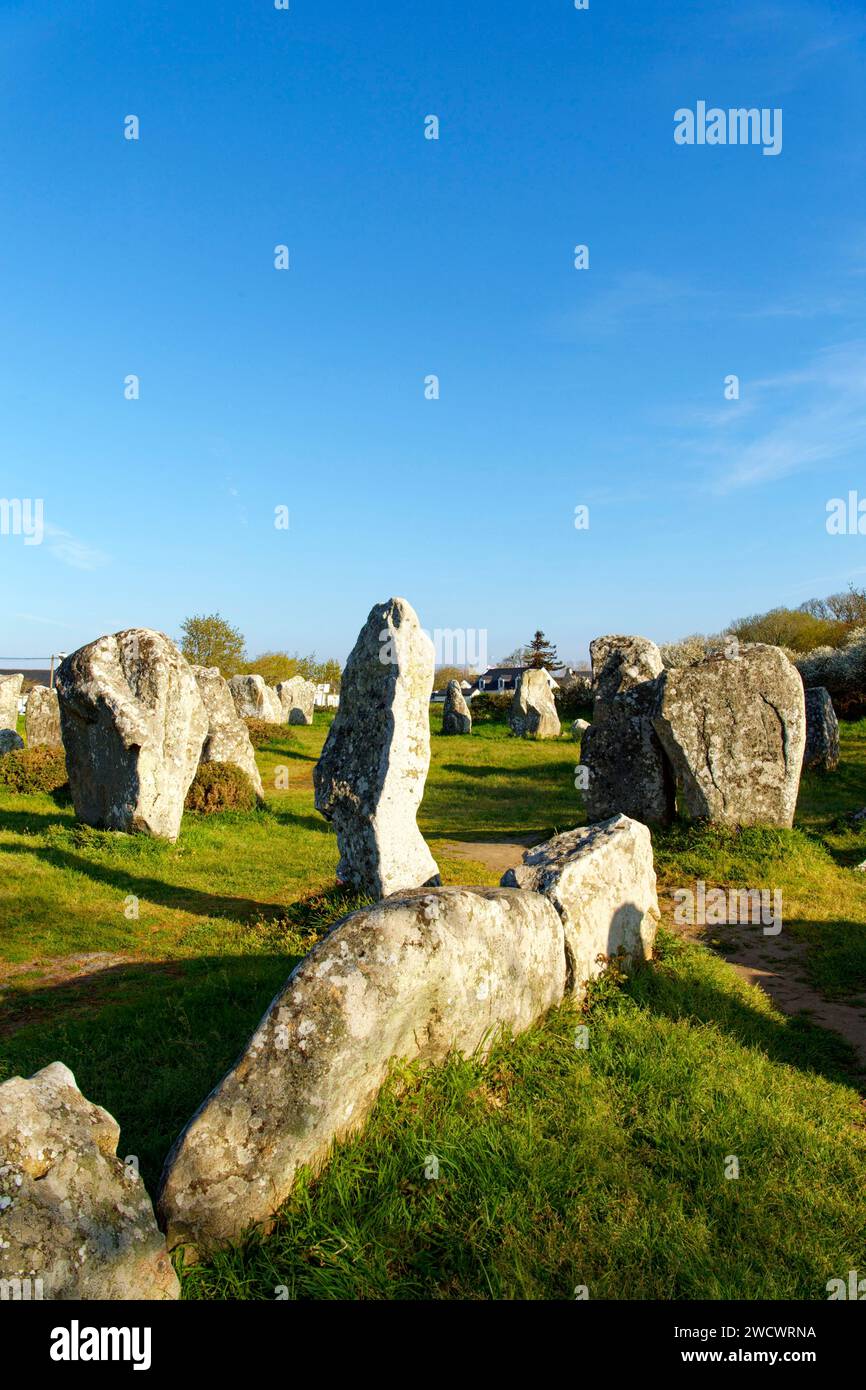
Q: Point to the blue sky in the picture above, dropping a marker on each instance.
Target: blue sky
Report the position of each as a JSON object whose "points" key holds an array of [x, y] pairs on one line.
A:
{"points": [[409, 257]]}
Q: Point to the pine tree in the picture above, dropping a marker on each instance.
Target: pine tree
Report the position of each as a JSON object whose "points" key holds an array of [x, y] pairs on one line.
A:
{"points": [[540, 653]]}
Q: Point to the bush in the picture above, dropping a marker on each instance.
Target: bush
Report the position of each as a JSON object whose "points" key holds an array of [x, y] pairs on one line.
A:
{"points": [[842, 670], [574, 698], [490, 709], [263, 731], [40, 769], [220, 787]]}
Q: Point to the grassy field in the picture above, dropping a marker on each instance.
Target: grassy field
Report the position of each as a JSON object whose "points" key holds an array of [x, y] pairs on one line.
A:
{"points": [[145, 966]]}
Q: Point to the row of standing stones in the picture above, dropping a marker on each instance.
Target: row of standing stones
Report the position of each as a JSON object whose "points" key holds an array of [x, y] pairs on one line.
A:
{"points": [[424, 970]]}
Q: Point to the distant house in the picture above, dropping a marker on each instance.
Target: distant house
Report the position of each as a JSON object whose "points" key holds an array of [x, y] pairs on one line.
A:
{"points": [[502, 680]]}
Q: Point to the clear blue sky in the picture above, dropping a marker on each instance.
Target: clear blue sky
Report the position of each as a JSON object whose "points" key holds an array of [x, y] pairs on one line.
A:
{"points": [[305, 388]]}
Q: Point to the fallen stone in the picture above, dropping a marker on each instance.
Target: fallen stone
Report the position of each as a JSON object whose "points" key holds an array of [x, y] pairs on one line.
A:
{"points": [[10, 694], [734, 729], [414, 977], [254, 699], [10, 741], [228, 738], [602, 882], [456, 717], [297, 700], [42, 718], [579, 728], [133, 726], [370, 778], [533, 712], [822, 731], [74, 1220]]}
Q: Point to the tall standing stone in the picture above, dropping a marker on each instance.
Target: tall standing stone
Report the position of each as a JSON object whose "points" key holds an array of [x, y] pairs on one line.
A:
{"points": [[370, 778], [228, 738], [254, 699], [456, 717], [625, 764], [533, 712], [298, 700], [10, 694], [734, 729], [42, 717], [822, 731], [133, 725]]}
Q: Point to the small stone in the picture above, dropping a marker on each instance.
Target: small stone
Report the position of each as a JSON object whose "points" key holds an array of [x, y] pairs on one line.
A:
{"points": [[228, 738], [533, 711], [822, 731], [42, 718], [297, 699], [456, 716], [254, 699]]}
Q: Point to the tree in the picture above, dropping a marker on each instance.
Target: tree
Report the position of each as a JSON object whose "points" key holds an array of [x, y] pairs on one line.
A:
{"points": [[273, 667], [540, 653], [514, 658], [208, 640], [444, 674]]}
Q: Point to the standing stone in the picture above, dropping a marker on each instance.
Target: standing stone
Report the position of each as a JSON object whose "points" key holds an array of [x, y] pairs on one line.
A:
{"points": [[370, 778], [133, 725], [10, 694], [42, 717], [72, 1216], [533, 712], [734, 729], [414, 977], [601, 880], [297, 699], [254, 699], [456, 718], [822, 731], [228, 738], [579, 728], [625, 764], [622, 667]]}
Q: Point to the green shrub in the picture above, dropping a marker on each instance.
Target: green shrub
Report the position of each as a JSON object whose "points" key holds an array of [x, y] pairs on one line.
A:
{"points": [[40, 769], [490, 709], [262, 731], [220, 787]]}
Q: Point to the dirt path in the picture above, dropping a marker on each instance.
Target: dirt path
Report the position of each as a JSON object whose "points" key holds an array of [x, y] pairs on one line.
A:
{"points": [[777, 964], [496, 855]]}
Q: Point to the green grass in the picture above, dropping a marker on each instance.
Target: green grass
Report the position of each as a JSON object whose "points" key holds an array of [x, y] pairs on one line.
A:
{"points": [[559, 1167]]}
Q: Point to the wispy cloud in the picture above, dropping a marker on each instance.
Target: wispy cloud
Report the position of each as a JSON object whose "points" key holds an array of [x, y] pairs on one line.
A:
{"points": [[799, 421], [43, 622], [635, 297], [71, 551]]}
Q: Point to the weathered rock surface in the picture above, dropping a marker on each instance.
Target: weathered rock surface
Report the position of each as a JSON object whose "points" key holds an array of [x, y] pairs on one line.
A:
{"points": [[413, 977], [10, 693], [228, 738], [456, 716], [533, 712], [601, 880], [133, 725], [10, 741], [622, 666], [370, 777], [627, 772], [42, 717], [579, 728], [822, 731], [254, 699], [71, 1214], [297, 698], [734, 729]]}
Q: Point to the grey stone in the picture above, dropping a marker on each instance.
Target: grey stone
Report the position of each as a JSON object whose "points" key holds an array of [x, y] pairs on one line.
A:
{"points": [[10, 741], [228, 738], [602, 882], [71, 1214], [414, 977], [133, 725], [626, 769], [42, 718], [370, 777], [622, 667], [297, 700], [734, 729], [533, 712], [254, 699], [822, 731], [10, 694], [456, 717]]}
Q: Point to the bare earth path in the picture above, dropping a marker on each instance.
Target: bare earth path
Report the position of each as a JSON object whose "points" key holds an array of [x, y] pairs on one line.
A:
{"points": [[496, 855], [777, 965]]}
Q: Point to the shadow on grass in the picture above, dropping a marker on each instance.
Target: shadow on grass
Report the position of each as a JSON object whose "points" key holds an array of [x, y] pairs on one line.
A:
{"points": [[541, 772], [31, 822]]}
